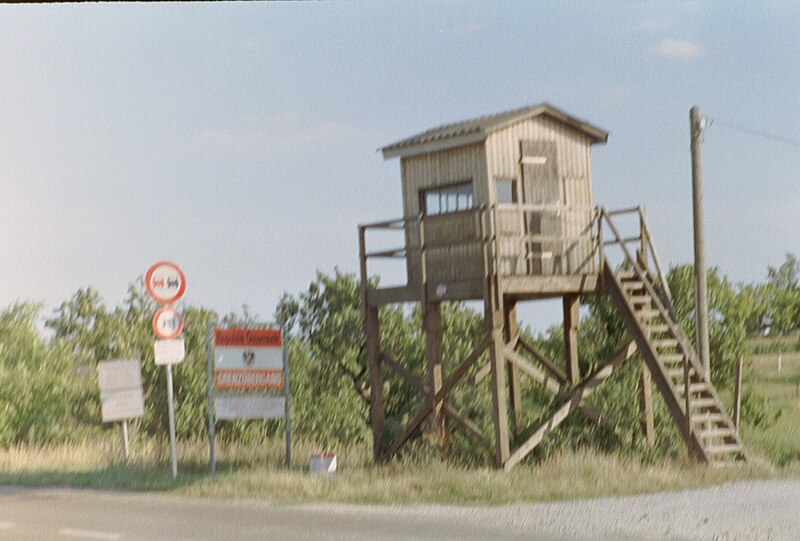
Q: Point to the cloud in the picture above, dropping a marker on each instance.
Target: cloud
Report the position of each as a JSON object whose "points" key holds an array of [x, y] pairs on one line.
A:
{"points": [[650, 25], [678, 49]]}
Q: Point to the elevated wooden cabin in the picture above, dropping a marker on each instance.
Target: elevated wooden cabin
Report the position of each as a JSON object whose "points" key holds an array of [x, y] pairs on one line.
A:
{"points": [[526, 175], [500, 208]]}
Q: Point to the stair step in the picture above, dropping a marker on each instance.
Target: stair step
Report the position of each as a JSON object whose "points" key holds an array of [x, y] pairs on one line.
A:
{"points": [[724, 432], [640, 299], [665, 343], [724, 449], [670, 358], [708, 417], [673, 373], [693, 388], [703, 402], [653, 329], [647, 314], [627, 275]]}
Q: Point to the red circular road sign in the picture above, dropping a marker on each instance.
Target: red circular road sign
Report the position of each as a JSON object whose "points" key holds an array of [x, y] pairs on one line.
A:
{"points": [[167, 323], [165, 282]]}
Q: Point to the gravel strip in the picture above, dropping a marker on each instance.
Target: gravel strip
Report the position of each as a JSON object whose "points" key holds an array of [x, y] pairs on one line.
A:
{"points": [[746, 510]]}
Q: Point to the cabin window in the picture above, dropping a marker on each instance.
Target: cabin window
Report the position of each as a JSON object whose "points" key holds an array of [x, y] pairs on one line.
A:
{"points": [[448, 199], [506, 191]]}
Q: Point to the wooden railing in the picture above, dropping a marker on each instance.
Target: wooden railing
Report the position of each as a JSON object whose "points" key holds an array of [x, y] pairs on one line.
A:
{"points": [[517, 239]]}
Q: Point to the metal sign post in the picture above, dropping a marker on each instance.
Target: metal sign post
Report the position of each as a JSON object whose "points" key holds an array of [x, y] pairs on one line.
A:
{"points": [[248, 378], [166, 284], [171, 406]]}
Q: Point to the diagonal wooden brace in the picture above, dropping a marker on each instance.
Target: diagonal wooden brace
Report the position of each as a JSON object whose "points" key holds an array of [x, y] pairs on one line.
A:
{"points": [[449, 410], [447, 385], [583, 390]]}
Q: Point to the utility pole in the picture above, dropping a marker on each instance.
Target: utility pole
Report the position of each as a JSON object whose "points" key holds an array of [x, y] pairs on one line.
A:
{"points": [[700, 290]]}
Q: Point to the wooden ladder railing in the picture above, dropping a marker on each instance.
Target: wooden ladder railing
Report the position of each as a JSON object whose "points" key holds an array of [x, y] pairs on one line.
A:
{"points": [[647, 310]]}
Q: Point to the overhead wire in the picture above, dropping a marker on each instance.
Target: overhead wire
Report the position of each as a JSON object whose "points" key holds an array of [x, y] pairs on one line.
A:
{"points": [[752, 131]]}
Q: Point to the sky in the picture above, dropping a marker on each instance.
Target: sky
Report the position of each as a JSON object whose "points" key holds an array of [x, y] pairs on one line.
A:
{"points": [[239, 139]]}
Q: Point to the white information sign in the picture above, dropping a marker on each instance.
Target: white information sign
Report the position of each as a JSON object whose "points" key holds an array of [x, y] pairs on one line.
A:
{"points": [[250, 407], [121, 394], [169, 351]]}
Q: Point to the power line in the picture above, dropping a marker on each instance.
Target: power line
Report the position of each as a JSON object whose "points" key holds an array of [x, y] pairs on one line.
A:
{"points": [[753, 131]]}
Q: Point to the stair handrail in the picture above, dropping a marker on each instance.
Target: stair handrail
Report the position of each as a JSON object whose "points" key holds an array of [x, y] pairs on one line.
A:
{"points": [[656, 259], [667, 312]]}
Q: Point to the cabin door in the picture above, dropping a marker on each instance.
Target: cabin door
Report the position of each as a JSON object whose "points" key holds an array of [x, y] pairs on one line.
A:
{"points": [[541, 188]]}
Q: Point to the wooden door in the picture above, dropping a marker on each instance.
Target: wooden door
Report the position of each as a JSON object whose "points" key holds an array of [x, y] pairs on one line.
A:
{"points": [[541, 185]]}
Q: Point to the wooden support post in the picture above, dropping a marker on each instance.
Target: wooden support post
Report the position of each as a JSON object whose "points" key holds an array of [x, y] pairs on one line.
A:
{"points": [[373, 336], [512, 329], [701, 297], [499, 397], [372, 329], [571, 321], [646, 405], [737, 394], [432, 321]]}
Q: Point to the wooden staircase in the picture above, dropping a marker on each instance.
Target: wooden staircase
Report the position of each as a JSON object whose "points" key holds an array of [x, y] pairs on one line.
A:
{"points": [[689, 395]]}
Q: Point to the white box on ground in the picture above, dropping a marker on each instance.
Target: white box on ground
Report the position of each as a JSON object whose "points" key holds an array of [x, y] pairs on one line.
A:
{"points": [[169, 351], [322, 463]]}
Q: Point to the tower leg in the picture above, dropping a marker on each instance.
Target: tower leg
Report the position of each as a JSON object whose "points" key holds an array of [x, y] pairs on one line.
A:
{"points": [[512, 328], [646, 406], [432, 321], [499, 391], [372, 329], [571, 321]]}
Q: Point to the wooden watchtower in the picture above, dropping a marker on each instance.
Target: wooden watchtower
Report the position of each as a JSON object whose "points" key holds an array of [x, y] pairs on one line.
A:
{"points": [[500, 209]]}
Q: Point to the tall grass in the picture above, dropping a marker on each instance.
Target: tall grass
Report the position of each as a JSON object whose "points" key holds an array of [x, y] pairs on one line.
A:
{"points": [[257, 472]]}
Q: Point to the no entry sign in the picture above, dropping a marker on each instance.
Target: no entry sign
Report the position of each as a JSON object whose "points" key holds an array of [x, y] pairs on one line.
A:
{"points": [[165, 282], [167, 323]]}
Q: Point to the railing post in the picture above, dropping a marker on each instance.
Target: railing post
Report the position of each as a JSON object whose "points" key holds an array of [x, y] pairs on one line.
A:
{"points": [[737, 394], [687, 402], [641, 255]]}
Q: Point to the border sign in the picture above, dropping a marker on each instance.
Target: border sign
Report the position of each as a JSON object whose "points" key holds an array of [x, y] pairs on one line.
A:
{"points": [[165, 282], [248, 377]]}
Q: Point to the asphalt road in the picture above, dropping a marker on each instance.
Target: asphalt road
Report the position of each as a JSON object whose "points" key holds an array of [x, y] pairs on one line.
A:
{"points": [[65, 515], [747, 510]]}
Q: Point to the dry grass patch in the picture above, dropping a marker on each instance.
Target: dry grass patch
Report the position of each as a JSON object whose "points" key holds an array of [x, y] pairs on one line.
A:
{"points": [[256, 472]]}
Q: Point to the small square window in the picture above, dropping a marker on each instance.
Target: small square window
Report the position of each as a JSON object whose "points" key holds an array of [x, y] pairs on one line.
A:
{"points": [[506, 191]]}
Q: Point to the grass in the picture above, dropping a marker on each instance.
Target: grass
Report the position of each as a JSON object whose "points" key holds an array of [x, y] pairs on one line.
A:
{"points": [[257, 473], [779, 440]]}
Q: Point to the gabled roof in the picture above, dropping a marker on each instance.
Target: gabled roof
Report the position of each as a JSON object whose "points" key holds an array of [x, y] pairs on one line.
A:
{"points": [[477, 129]]}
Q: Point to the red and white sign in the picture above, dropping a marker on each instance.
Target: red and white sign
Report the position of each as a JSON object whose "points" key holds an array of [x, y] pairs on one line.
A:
{"points": [[167, 323], [248, 360], [165, 282]]}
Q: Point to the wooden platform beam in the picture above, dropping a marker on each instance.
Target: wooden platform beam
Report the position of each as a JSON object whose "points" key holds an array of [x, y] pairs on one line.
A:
{"points": [[514, 390]]}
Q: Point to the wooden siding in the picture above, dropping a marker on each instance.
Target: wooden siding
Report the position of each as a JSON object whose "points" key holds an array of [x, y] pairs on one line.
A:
{"points": [[441, 169], [503, 151]]}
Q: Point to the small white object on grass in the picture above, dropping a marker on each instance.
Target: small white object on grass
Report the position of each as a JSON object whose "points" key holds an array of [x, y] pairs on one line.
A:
{"points": [[322, 463]]}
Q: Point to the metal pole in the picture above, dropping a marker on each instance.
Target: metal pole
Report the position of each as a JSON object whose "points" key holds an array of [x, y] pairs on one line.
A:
{"points": [[701, 304], [212, 458], [171, 406], [125, 438], [288, 421]]}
